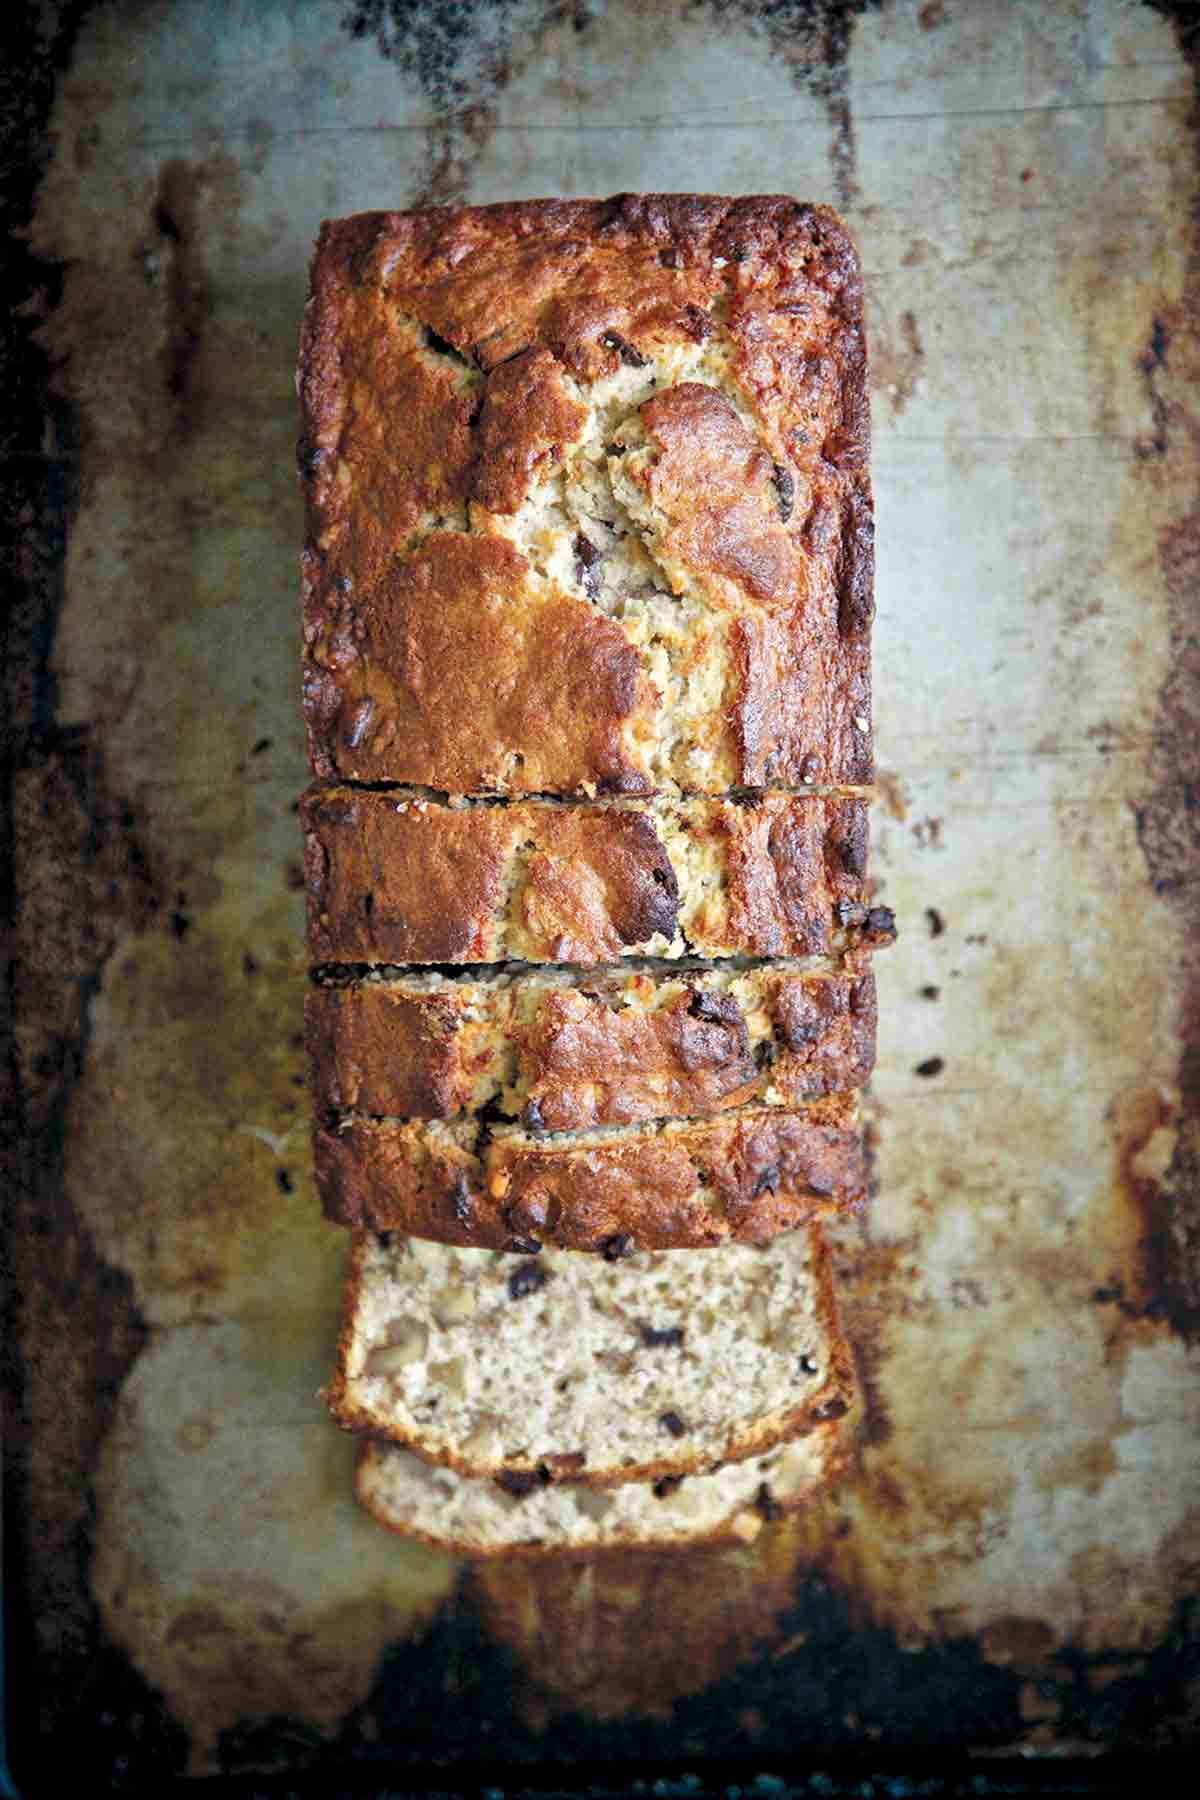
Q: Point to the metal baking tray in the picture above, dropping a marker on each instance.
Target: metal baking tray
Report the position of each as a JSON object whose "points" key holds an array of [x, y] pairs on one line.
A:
{"points": [[1010, 1572]]}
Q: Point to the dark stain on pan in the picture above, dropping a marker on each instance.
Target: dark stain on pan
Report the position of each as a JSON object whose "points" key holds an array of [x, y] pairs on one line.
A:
{"points": [[188, 299], [728, 1670], [873, 1282], [896, 361], [76, 867], [812, 37], [73, 1330], [813, 1676], [1143, 1289], [460, 53], [1185, 17], [1168, 814], [169, 259]]}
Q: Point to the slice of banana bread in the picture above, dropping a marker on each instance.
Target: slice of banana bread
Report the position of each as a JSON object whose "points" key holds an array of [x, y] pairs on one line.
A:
{"points": [[564, 1051], [744, 1176], [395, 878], [623, 539], [523, 1515], [572, 1367]]}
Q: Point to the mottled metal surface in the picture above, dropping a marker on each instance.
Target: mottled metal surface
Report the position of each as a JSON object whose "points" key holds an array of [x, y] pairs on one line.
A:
{"points": [[1014, 1562]]}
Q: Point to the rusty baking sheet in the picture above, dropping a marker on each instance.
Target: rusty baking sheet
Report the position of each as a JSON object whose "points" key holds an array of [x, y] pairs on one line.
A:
{"points": [[1012, 1566]]}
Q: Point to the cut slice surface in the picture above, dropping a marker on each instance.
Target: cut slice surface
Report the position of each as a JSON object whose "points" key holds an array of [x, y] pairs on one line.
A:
{"points": [[471, 1517], [572, 1367]]}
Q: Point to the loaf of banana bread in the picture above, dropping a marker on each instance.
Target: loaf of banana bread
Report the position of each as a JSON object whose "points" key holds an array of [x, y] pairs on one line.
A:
{"points": [[588, 591]]}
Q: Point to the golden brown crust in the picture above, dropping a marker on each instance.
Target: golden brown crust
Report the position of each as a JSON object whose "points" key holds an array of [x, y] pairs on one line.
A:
{"points": [[587, 1063], [766, 1505], [527, 420], [804, 675], [389, 881], [550, 696], [831, 1400], [744, 1176], [381, 1051], [584, 1063], [714, 482], [600, 1050], [825, 1030], [575, 274], [395, 880], [367, 484], [470, 324]]}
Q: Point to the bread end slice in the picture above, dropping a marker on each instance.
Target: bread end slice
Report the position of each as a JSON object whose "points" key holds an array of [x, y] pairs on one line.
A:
{"points": [[483, 1519]]}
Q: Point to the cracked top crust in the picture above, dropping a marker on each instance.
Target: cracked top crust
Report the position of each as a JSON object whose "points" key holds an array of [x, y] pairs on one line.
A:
{"points": [[544, 671], [587, 501]]}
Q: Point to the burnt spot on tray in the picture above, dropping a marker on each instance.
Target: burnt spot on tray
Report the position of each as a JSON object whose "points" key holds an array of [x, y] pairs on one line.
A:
{"points": [[178, 918]]}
